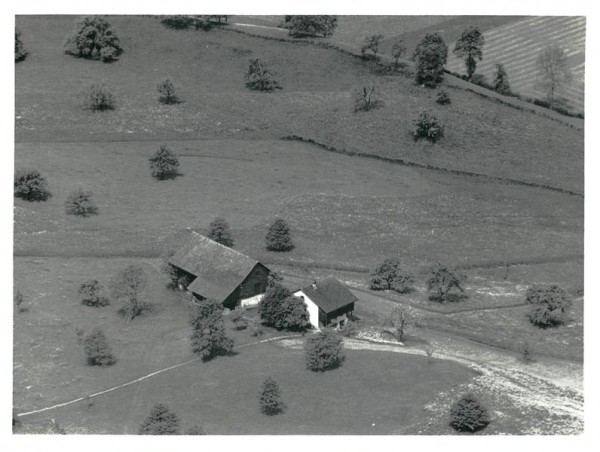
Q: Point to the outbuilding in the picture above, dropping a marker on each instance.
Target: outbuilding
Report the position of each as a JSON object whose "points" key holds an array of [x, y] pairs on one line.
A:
{"points": [[328, 301], [219, 273]]}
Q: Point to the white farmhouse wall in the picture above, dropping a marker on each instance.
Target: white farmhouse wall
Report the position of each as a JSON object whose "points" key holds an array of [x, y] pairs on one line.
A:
{"points": [[252, 301], [311, 307]]}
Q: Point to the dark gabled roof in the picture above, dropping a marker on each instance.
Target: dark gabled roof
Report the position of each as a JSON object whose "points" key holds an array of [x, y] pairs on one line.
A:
{"points": [[329, 294], [219, 270]]}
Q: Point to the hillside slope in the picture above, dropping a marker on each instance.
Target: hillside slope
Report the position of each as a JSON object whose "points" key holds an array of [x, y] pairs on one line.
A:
{"points": [[318, 87]]}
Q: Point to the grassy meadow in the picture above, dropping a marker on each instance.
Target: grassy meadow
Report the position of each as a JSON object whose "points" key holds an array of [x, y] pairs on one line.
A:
{"points": [[345, 213]]}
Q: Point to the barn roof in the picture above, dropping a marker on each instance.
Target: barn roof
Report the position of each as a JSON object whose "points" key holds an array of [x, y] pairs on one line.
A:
{"points": [[329, 294], [219, 270]]}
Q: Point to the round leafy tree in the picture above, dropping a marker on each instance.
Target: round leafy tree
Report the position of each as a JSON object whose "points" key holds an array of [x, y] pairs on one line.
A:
{"points": [[96, 349], [95, 39], [160, 421], [549, 306], [80, 203], [219, 231], [30, 185], [164, 163], [389, 276], [270, 398], [91, 293], [323, 351], [441, 281], [278, 237], [468, 415]]}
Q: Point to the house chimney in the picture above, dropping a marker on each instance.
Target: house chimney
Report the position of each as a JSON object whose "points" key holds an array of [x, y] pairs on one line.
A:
{"points": [[314, 285]]}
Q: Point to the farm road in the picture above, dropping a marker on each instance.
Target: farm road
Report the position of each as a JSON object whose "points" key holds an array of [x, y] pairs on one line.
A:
{"points": [[549, 385]]}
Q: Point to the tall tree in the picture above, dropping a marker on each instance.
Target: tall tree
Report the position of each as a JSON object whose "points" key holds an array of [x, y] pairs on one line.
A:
{"points": [[219, 231], [470, 47], [430, 56], [208, 330], [128, 285], [553, 71]]}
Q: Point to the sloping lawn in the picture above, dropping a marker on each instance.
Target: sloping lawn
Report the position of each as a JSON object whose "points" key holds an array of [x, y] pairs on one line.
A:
{"points": [[372, 393]]}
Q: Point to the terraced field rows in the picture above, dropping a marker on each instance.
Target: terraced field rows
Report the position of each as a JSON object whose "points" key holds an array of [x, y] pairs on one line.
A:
{"points": [[517, 47]]}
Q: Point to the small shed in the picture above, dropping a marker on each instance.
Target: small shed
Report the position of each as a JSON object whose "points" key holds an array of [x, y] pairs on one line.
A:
{"points": [[328, 301], [220, 273]]}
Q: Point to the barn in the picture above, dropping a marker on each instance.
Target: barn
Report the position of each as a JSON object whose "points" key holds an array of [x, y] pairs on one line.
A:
{"points": [[214, 271], [328, 301]]}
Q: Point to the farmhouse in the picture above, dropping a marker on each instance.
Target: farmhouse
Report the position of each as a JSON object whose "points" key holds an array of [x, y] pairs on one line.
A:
{"points": [[328, 302], [219, 273]]}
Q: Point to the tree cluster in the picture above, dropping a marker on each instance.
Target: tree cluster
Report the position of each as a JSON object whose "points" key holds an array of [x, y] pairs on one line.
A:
{"points": [[94, 39], [208, 330], [283, 311], [309, 26]]}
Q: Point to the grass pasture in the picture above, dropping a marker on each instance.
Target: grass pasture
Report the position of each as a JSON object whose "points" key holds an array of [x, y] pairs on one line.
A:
{"points": [[481, 136], [349, 400]]}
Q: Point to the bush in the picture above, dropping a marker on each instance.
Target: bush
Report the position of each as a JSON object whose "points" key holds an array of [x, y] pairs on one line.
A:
{"points": [[441, 281], [91, 294], [164, 163], [468, 415], [442, 98], [366, 98], [238, 319], [195, 430], [549, 306], [160, 421], [20, 52], [260, 78], [481, 80], [80, 204], [30, 185], [389, 276], [302, 26], [428, 127], [371, 43], [208, 331], [430, 56], [323, 351], [97, 351], [127, 285], [166, 91], [98, 98], [270, 398], [219, 231], [278, 237], [94, 39]]}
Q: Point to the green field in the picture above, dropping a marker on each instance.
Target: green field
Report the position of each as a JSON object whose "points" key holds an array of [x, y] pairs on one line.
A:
{"points": [[346, 215]]}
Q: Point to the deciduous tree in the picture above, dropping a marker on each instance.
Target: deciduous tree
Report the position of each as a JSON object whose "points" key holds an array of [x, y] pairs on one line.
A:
{"points": [[390, 276], [30, 185], [94, 38], [128, 285], [401, 318], [323, 351], [553, 71], [81, 203], [430, 56], [371, 44], [398, 50], [91, 293], [501, 84], [259, 77], [219, 231], [442, 280], [301, 26], [470, 47], [549, 306]]}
